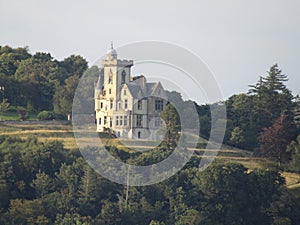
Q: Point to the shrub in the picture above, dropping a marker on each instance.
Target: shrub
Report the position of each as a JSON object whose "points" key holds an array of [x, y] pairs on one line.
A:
{"points": [[46, 115]]}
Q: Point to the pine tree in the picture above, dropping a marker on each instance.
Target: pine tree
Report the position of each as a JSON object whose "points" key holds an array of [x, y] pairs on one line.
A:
{"points": [[272, 97]]}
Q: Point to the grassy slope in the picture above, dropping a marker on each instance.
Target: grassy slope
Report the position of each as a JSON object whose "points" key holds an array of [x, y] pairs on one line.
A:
{"points": [[56, 131]]}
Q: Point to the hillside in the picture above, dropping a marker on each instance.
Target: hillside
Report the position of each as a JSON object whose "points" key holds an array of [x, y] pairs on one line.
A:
{"points": [[62, 131]]}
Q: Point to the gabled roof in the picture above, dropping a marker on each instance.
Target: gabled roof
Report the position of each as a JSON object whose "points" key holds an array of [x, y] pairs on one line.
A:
{"points": [[135, 90], [150, 88], [139, 88]]}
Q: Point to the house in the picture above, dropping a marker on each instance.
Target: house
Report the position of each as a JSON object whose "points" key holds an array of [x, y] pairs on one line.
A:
{"points": [[128, 106]]}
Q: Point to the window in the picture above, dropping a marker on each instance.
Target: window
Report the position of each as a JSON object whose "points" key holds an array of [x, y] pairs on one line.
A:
{"points": [[109, 91], [121, 120], [99, 121], [125, 104], [139, 134], [110, 77], [159, 106], [117, 120], [110, 122], [119, 105], [139, 120], [104, 120], [123, 76], [125, 120], [159, 92], [104, 93], [139, 104], [125, 92], [157, 122], [111, 104], [101, 105]]}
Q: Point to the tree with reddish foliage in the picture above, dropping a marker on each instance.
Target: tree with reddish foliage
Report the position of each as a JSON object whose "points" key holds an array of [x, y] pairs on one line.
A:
{"points": [[274, 140]]}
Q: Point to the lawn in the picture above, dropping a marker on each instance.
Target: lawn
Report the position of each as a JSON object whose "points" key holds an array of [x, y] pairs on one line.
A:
{"points": [[13, 115]]}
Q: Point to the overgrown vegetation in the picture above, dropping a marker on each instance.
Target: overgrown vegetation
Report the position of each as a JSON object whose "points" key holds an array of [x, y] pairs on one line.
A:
{"points": [[45, 184]]}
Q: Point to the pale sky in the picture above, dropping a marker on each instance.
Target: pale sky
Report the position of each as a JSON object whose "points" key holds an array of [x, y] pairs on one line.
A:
{"points": [[238, 40]]}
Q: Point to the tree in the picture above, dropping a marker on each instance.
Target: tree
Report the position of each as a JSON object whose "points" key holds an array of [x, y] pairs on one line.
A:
{"points": [[70, 219], [4, 106], [172, 121], [10, 59], [237, 137], [63, 98], [294, 149], [272, 97], [109, 214], [274, 140], [240, 114], [88, 192], [43, 184], [74, 65]]}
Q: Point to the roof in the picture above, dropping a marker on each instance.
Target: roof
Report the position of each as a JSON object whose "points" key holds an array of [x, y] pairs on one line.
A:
{"points": [[135, 90], [99, 84], [138, 91]]}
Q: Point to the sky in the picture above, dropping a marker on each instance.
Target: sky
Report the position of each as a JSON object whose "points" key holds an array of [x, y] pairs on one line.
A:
{"points": [[238, 40]]}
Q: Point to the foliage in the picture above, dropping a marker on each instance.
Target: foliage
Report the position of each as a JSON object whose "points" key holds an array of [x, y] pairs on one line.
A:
{"points": [[172, 121], [259, 108], [274, 140], [46, 115], [4, 106], [294, 149], [237, 137], [45, 184], [32, 81]]}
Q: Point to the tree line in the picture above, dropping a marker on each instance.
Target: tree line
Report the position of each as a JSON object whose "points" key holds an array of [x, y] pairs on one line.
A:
{"points": [[37, 82], [264, 120]]}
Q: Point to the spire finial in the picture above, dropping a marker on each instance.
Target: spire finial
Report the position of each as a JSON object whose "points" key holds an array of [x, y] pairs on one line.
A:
{"points": [[112, 44]]}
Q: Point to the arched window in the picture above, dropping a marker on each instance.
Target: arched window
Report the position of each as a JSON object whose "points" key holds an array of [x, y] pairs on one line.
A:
{"points": [[139, 134], [123, 76]]}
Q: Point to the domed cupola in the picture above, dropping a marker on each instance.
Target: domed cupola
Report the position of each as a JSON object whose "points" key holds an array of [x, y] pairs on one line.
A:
{"points": [[111, 54]]}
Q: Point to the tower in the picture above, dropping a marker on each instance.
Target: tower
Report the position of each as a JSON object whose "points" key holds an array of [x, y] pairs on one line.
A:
{"points": [[116, 72]]}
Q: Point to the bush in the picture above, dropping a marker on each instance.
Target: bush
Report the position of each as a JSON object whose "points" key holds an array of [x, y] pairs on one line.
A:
{"points": [[46, 115]]}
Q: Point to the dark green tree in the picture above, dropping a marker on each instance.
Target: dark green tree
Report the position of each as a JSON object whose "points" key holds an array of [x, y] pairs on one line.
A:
{"points": [[272, 97], [294, 149], [64, 95], [172, 121]]}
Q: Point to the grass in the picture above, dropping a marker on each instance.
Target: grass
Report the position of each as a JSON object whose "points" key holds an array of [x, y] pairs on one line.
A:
{"points": [[12, 115]]}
